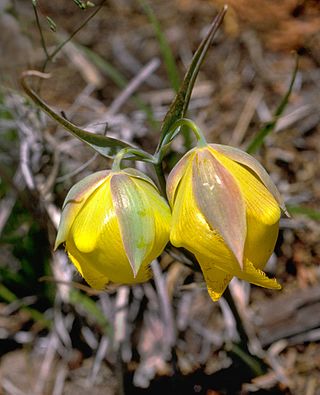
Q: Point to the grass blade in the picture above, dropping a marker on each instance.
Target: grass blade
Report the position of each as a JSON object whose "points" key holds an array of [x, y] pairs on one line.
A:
{"points": [[180, 104], [307, 211], [165, 49], [120, 81], [270, 126]]}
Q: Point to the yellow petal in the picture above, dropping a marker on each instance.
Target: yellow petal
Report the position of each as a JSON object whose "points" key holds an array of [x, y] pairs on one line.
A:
{"points": [[95, 240], [189, 227], [263, 213], [250, 162], [91, 219], [216, 280], [74, 201], [176, 175], [86, 268]]}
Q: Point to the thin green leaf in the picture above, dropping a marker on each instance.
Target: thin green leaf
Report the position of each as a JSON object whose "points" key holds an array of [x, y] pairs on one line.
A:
{"points": [[107, 68], [80, 4], [180, 104], [49, 57], [270, 126], [307, 211], [165, 49], [52, 24], [36, 315], [116, 77], [106, 146], [91, 308]]}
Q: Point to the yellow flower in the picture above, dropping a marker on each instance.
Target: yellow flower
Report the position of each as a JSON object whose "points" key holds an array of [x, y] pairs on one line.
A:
{"points": [[226, 211], [113, 225]]}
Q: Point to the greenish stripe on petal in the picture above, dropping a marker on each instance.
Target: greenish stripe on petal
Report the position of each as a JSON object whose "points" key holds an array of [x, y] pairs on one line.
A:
{"points": [[219, 198], [135, 219]]}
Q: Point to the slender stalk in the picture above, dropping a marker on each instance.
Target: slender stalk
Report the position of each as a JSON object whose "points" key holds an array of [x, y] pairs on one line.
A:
{"points": [[161, 178], [135, 154], [43, 43], [241, 349], [240, 328], [258, 140], [174, 131], [191, 125], [50, 56], [252, 362]]}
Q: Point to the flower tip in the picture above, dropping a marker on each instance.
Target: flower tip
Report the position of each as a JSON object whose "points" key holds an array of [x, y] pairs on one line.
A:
{"points": [[134, 271], [238, 252]]}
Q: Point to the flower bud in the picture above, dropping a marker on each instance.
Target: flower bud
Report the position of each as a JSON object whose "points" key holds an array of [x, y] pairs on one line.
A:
{"points": [[113, 225], [226, 211]]}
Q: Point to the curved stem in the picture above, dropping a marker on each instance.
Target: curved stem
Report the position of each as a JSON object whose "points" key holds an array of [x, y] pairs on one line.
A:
{"points": [[136, 154], [43, 43], [160, 152], [196, 130]]}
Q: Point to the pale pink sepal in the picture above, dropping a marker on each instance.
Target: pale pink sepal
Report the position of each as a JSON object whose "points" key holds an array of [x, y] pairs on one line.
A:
{"points": [[219, 198], [249, 161]]}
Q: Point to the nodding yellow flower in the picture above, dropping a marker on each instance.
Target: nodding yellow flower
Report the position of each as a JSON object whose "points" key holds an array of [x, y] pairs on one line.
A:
{"points": [[226, 211], [113, 225]]}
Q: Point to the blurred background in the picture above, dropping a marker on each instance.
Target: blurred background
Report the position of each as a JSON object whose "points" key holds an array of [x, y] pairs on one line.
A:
{"points": [[119, 74]]}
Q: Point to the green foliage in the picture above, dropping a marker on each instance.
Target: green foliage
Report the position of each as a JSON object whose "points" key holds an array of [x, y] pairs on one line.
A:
{"points": [[106, 146], [258, 140], [28, 259], [180, 104], [120, 81], [171, 67], [91, 309], [306, 211]]}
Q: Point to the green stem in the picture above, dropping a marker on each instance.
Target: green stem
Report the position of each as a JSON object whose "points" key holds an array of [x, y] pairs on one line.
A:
{"points": [[43, 43], [135, 154], [252, 362], [191, 125], [240, 327], [270, 126], [175, 130], [161, 179], [241, 349]]}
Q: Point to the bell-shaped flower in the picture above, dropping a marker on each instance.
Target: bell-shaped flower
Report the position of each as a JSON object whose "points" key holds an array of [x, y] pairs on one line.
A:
{"points": [[226, 211], [113, 225]]}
